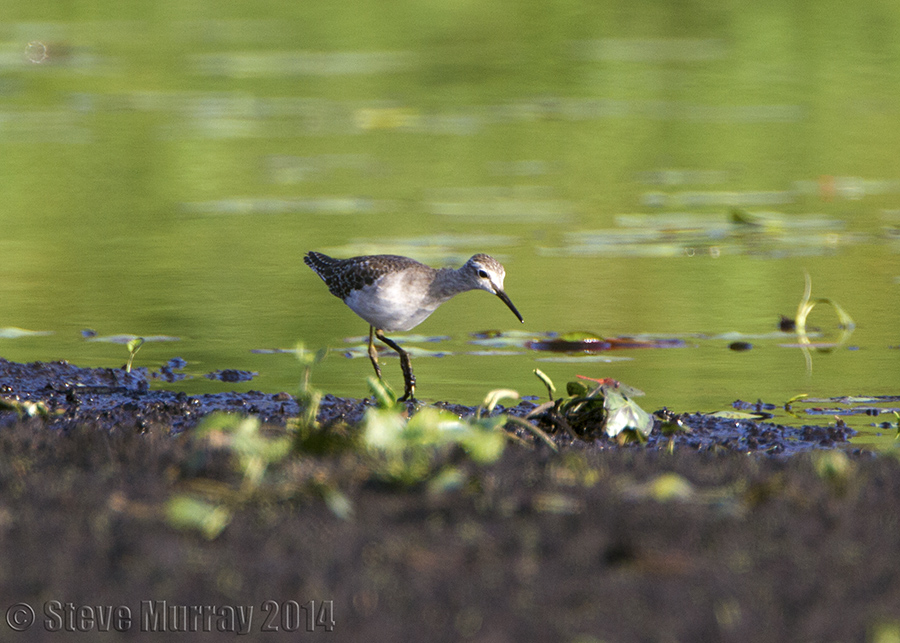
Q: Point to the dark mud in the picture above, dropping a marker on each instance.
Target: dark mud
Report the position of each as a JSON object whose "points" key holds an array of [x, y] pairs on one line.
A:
{"points": [[713, 541], [110, 398]]}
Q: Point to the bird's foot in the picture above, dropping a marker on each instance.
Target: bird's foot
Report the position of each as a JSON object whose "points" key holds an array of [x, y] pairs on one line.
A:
{"points": [[409, 393]]}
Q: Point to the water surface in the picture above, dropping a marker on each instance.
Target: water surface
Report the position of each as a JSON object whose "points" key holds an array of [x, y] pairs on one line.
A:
{"points": [[163, 172]]}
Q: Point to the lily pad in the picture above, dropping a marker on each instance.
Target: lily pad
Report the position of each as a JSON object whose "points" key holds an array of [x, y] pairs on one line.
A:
{"points": [[414, 351], [582, 359], [594, 344], [125, 339], [15, 333]]}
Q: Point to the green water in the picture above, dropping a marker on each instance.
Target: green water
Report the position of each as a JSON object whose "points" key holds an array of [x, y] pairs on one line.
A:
{"points": [[164, 166]]}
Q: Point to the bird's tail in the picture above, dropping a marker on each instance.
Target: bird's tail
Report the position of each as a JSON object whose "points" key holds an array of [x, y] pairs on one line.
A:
{"points": [[321, 264]]}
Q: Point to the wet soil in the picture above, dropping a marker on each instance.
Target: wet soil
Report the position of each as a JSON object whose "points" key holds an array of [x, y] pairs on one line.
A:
{"points": [[734, 531]]}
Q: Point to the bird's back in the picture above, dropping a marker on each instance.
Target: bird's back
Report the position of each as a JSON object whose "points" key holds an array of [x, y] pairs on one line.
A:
{"points": [[343, 276]]}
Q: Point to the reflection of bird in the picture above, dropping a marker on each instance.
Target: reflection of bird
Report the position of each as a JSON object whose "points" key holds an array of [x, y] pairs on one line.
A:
{"points": [[399, 293]]}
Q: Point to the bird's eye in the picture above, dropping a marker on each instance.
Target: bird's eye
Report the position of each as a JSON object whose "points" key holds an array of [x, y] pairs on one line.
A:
{"points": [[483, 274]]}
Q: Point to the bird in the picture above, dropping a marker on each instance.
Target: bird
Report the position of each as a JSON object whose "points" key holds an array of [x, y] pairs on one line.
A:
{"points": [[394, 293]]}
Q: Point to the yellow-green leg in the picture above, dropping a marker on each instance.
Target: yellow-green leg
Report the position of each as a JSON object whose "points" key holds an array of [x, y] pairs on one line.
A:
{"points": [[373, 353], [409, 380]]}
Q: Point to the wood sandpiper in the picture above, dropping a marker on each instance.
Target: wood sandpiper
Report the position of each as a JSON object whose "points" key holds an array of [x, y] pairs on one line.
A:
{"points": [[395, 293]]}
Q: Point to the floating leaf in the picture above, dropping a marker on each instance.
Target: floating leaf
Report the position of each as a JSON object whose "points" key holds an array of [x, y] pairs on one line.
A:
{"points": [[586, 359], [502, 341], [125, 339], [15, 333], [415, 351], [579, 336], [231, 375], [499, 353], [736, 415], [565, 346], [401, 339], [594, 344]]}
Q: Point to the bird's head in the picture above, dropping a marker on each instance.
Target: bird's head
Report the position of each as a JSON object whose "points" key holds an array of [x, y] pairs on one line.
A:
{"points": [[486, 273]]}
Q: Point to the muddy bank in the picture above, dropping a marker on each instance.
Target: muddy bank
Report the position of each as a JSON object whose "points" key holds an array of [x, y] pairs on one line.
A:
{"points": [[594, 543], [111, 398]]}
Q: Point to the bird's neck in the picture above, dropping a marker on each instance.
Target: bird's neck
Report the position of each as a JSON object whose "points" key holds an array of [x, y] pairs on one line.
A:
{"points": [[448, 283]]}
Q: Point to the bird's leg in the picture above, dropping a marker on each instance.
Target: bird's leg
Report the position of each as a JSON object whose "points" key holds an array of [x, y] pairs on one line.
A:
{"points": [[373, 353], [409, 380]]}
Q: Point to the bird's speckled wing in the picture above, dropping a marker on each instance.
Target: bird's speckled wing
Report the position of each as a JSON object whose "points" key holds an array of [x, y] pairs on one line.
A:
{"points": [[342, 276]]}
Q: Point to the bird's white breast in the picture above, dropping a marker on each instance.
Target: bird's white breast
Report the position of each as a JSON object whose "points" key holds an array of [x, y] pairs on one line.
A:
{"points": [[395, 302]]}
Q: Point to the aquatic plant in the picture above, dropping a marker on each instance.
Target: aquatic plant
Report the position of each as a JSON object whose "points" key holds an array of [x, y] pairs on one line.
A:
{"points": [[133, 347], [408, 451], [607, 406]]}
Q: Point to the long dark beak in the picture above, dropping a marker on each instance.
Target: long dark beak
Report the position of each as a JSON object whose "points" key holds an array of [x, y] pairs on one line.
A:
{"points": [[502, 295]]}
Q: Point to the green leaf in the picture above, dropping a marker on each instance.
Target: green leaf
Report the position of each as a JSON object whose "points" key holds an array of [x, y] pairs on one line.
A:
{"points": [[796, 397], [188, 512], [448, 479], [133, 347], [383, 429], [577, 389], [385, 397], [669, 486], [832, 465], [623, 413], [493, 398], [483, 445], [339, 504]]}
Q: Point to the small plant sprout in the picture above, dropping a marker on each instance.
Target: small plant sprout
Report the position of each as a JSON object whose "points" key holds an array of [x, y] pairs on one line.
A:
{"points": [[408, 451], [551, 389], [308, 359], [492, 399], [133, 347], [241, 436], [309, 398], [805, 307], [789, 405]]}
